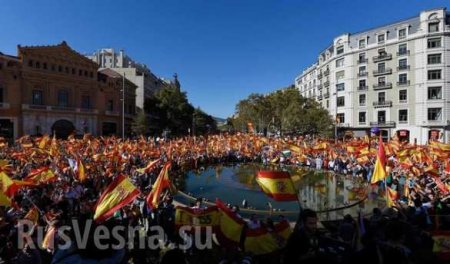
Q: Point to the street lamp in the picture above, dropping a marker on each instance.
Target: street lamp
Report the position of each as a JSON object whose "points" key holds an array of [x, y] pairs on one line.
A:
{"points": [[123, 106], [335, 117]]}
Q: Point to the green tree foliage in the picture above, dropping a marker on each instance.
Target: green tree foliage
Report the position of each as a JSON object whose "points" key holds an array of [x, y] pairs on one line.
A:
{"points": [[203, 123], [284, 110], [140, 124]]}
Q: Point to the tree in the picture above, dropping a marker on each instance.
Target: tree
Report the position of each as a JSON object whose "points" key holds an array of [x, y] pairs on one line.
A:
{"points": [[140, 124], [203, 123]]}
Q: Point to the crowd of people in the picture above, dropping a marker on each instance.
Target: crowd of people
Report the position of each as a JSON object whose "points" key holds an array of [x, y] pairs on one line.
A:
{"points": [[61, 180]]}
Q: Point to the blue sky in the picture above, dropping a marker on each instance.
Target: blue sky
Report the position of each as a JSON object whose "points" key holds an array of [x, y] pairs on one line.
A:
{"points": [[222, 50]]}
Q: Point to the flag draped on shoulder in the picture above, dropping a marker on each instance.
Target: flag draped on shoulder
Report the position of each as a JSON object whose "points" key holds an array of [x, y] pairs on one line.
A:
{"points": [[277, 185], [161, 183], [379, 173], [119, 193]]}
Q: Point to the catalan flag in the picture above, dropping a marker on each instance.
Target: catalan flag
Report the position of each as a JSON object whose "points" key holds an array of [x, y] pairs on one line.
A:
{"points": [[379, 172], [230, 226], [161, 183], [277, 185], [119, 193]]}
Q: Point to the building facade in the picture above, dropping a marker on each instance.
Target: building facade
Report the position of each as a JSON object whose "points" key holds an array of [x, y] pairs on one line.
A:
{"points": [[54, 89], [147, 83], [395, 78]]}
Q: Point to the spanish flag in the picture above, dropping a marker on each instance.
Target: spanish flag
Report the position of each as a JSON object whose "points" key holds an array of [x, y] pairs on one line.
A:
{"points": [[9, 188], [119, 193], [80, 172], [161, 183], [379, 173], [187, 216], [230, 227], [32, 215], [261, 241], [43, 142], [392, 196], [41, 175], [4, 200], [150, 166], [277, 185]]}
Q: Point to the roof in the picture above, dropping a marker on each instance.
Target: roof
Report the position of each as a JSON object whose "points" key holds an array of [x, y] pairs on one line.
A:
{"points": [[110, 73]]}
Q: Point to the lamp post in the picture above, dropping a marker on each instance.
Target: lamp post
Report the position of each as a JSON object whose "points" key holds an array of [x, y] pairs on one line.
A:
{"points": [[123, 106], [335, 117]]}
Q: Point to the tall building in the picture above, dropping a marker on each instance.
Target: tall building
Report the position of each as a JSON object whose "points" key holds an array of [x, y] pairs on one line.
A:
{"points": [[394, 77], [54, 89], [147, 83]]}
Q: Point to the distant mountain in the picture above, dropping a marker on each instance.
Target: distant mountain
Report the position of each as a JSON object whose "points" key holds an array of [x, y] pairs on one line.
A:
{"points": [[220, 120]]}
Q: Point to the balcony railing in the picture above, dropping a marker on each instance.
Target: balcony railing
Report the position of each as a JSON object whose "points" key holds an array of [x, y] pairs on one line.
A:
{"points": [[59, 108], [402, 52], [36, 107], [363, 88], [403, 68], [320, 86], [381, 86], [319, 97], [361, 61], [343, 125], [326, 84], [382, 72], [382, 57], [112, 113], [405, 83], [362, 74], [326, 72], [320, 76], [63, 108], [383, 124], [385, 103], [403, 121], [362, 123], [326, 95], [4, 105]]}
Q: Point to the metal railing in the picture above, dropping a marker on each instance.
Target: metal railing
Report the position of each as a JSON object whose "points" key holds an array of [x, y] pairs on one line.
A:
{"points": [[382, 72], [403, 68], [382, 124], [363, 88], [402, 52], [361, 61], [405, 83], [362, 74], [382, 57], [381, 86], [385, 103]]}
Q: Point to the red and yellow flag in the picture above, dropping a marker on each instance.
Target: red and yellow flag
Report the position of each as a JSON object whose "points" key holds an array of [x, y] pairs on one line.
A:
{"points": [[392, 196], [186, 216], [41, 175], [230, 226], [150, 166], [4, 200], [161, 183], [119, 193], [80, 172], [43, 142], [262, 241], [32, 215], [379, 173], [8, 187], [277, 185]]}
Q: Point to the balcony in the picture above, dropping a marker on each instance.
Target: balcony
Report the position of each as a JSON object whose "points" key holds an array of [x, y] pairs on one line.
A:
{"points": [[382, 57], [402, 52], [319, 97], [382, 86], [343, 125], [326, 95], [363, 88], [320, 86], [405, 83], [403, 122], [382, 72], [362, 74], [362, 123], [362, 60], [35, 107], [326, 84], [385, 103], [326, 72], [63, 108], [319, 76], [383, 124], [112, 113], [403, 68], [4, 105]]}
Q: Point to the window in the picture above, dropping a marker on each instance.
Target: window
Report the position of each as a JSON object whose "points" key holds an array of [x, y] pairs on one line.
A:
{"points": [[434, 93], [362, 70], [85, 102], [434, 43], [74, 71], [44, 66], [381, 80], [403, 95], [110, 105], [403, 64], [340, 75], [341, 101], [381, 117], [53, 67], [362, 99], [362, 117], [91, 74], [380, 39], [362, 84], [402, 33], [340, 87], [434, 58], [339, 50], [402, 78], [402, 49], [339, 63], [37, 97], [80, 72], [403, 116], [67, 69], [328, 103], [362, 43], [382, 97], [381, 67], [60, 68], [30, 63], [340, 118], [362, 57], [63, 98], [38, 65], [382, 52], [433, 27], [434, 74], [434, 114], [1, 95]]}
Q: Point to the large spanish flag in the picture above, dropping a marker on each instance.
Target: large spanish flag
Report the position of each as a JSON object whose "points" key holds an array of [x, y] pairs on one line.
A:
{"points": [[186, 216], [119, 193], [161, 183], [277, 184], [261, 241], [41, 175], [9, 188], [379, 173], [230, 226]]}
